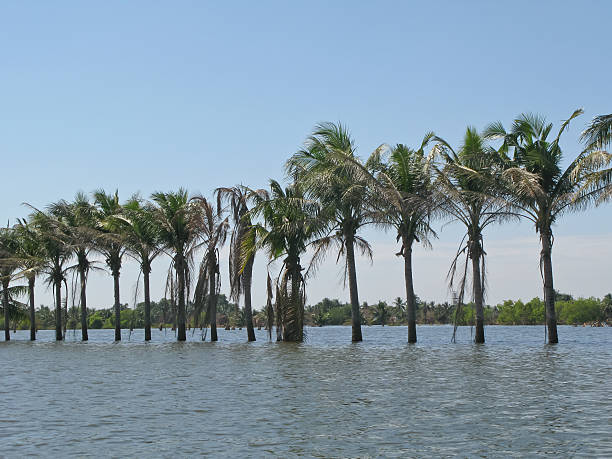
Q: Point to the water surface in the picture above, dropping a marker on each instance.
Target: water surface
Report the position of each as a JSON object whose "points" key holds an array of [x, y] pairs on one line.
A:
{"points": [[514, 396]]}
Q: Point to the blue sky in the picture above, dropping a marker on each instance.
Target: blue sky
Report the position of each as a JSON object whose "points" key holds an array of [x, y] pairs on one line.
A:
{"points": [[146, 96]]}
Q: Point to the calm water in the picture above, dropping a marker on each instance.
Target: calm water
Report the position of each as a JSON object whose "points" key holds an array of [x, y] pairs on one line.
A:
{"points": [[514, 396]]}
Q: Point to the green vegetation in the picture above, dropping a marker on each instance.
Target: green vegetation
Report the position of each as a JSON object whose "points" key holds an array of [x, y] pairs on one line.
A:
{"points": [[494, 175], [569, 312]]}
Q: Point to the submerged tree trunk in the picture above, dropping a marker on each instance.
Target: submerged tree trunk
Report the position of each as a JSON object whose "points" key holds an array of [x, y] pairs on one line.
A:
{"points": [[5, 305], [293, 326], [410, 299], [180, 271], [212, 297], [83, 279], [117, 307], [549, 292], [31, 282], [147, 303], [350, 262], [58, 310], [475, 254], [247, 277]]}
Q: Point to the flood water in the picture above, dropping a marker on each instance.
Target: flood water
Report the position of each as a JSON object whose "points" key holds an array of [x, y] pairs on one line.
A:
{"points": [[514, 396]]}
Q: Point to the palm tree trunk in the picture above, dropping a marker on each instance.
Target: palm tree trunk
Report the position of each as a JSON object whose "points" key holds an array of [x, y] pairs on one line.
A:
{"points": [[410, 300], [147, 304], [350, 262], [180, 268], [478, 295], [58, 310], [117, 307], [293, 328], [83, 279], [212, 298], [247, 276], [549, 292], [5, 305], [31, 282]]}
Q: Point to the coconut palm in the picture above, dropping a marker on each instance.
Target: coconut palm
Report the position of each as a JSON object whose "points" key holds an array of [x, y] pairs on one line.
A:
{"points": [[240, 270], [180, 220], [30, 255], [598, 133], [322, 169], [214, 234], [9, 268], [142, 241], [290, 224], [80, 220], [404, 197], [55, 255], [543, 190], [468, 182], [111, 243], [595, 163]]}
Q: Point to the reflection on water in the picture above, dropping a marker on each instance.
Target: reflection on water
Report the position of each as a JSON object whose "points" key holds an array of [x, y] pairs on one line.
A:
{"points": [[514, 396]]}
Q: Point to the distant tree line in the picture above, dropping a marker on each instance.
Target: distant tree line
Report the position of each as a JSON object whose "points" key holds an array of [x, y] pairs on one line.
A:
{"points": [[569, 311]]}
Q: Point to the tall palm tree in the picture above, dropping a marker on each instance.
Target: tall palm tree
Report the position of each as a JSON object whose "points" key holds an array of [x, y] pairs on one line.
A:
{"points": [[468, 183], [598, 133], [290, 224], [543, 190], [80, 220], [405, 198], [55, 255], [214, 234], [181, 221], [240, 269], [9, 267], [142, 240], [31, 256], [111, 244], [321, 167]]}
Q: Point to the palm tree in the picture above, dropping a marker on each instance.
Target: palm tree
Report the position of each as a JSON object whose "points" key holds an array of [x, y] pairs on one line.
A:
{"points": [[111, 244], [180, 220], [214, 234], [381, 313], [55, 254], [404, 197], [142, 240], [79, 220], [468, 183], [542, 190], [598, 133], [290, 224], [30, 255], [322, 169], [9, 266], [240, 270]]}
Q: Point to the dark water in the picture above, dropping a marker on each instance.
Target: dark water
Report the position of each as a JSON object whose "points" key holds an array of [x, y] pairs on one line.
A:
{"points": [[514, 396]]}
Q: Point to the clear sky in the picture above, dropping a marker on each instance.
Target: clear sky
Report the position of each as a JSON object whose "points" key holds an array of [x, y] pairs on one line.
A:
{"points": [[150, 95]]}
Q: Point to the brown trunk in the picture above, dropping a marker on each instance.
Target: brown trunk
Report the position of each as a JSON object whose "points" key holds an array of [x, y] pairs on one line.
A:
{"points": [[180, 271], [410, 299], [247, 276], [293, 330], [212, 297], [58, 310], [147, 304], [5, 305], [350, 262], [478, 296], [31, 282], [117, 307], [84, 335], [549, 292]]}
